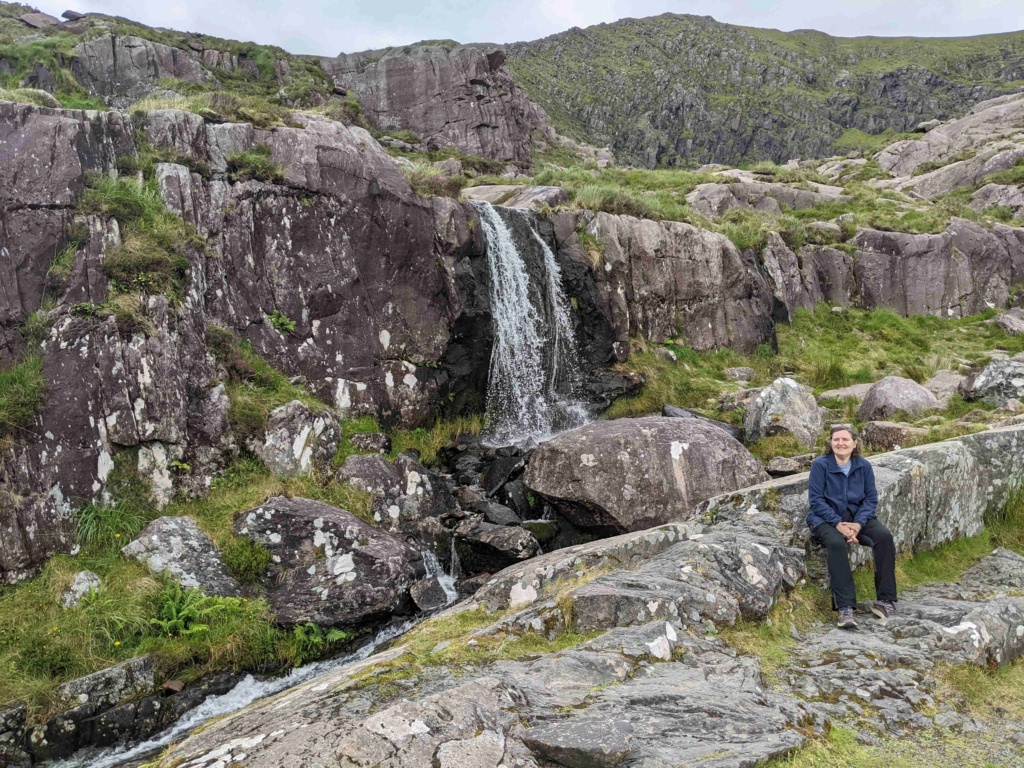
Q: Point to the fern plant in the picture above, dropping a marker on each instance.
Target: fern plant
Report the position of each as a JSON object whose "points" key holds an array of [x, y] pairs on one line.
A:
{"points": [[186, 612], [309, 640]]}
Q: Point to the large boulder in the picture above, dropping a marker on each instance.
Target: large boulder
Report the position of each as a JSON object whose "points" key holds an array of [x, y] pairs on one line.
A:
{"points": [[784, 408], [675, 412], [327, 565], [485, 547], [944, 384], [177, 548], [299, 440], [894, 394], [630, 474], [997, 382]]}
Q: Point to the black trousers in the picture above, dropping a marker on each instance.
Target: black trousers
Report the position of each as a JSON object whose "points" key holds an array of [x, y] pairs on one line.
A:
{"points": [[840, 576]]}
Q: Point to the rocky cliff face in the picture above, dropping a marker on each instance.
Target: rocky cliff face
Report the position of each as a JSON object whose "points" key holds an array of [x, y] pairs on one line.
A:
{"points": [[684, 89], [451, 96]]}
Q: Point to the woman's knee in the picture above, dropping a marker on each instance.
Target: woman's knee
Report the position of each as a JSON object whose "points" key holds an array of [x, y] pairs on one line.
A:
{"points": [[836, 545], [881, 535]]}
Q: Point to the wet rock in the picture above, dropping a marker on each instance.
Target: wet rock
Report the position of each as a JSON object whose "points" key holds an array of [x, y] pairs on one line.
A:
{"points": [[371, 442], [177, 548], [299, 441], [428, 594], [1012, 322], [888, 435], [518, 196], [630, 474], [496, 514], [944, 384], [483, 546], [543, 530], [500, 471], [84, 583], [784, 407], [894, 394], [675, 412], [328, 566], [782, 466], [995, 383], [513, 495]]}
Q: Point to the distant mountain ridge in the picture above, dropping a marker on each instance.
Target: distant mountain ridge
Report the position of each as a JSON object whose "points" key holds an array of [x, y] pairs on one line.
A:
{"points": [[685, 90]]}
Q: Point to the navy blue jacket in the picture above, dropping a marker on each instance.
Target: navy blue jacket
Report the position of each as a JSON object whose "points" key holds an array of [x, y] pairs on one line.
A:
{"points": [[837, 498]]}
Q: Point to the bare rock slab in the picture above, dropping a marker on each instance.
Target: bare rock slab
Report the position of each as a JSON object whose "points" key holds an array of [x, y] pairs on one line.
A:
{"points": [[179, 549], [630, 474], [328, 566]]}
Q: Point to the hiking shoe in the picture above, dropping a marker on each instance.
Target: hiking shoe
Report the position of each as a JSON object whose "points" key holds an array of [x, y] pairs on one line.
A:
{"points": [[883, 609], [846, 619]]}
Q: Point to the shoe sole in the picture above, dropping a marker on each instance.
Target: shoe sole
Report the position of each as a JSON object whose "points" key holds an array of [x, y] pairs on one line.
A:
{"points": [[879, 613], [847, 625]]}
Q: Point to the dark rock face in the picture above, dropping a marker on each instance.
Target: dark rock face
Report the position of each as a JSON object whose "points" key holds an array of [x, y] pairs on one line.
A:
{"points": [[656, 277], [299, 441], [128, 67], [485, 547], [328, 566], [630, 474], [460, 97]]}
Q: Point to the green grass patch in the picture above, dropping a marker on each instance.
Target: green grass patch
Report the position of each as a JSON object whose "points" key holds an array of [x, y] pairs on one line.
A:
{"points": [[22, 393], [349, 427], [222, 107], [429, 440], [429, 181], [254, 165], [856, 140], [152, 257]]}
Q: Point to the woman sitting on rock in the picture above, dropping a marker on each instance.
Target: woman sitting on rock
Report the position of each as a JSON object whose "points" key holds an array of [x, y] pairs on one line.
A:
{"points": [[843, 498]]}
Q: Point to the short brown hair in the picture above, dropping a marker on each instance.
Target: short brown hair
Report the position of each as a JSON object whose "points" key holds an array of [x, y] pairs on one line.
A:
{"points": [[843, 428]]}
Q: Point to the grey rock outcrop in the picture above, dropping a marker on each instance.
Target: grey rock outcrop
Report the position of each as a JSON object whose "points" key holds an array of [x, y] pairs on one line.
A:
{"points": [[177, 548], [486, 547], [944, 384], [784, 408], [783, 466], [328, 566], [997, 382], [713, 200], [675, 412], [661, 280], [992, 195], [84, 583], [893, 394], [855, 391], [517, 196], [964, 173], [299, 440], [630, 474], [986, 121], [1012, 322], [451, 96]]}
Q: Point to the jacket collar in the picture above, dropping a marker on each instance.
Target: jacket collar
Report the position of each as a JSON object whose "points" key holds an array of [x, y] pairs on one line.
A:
{"points": [[855, 461]]}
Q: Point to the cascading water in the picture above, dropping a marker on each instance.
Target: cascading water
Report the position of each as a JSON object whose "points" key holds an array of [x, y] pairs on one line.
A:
{"points": [[535, 374], [434, 568], [248, 690]]}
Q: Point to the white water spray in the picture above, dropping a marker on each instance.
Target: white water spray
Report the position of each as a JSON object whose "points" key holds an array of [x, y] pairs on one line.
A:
{"points": [[535, 374], [447, 581]]}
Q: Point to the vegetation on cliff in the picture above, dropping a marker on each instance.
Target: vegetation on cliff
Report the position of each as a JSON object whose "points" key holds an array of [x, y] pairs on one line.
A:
{"points": [[686, 90]]}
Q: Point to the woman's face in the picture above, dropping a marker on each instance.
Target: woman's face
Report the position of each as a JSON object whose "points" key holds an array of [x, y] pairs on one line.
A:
{"points": [[843, 443]]}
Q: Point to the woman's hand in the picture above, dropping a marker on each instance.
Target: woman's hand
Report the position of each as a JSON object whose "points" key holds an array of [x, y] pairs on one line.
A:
{"points": [[849, 530]]}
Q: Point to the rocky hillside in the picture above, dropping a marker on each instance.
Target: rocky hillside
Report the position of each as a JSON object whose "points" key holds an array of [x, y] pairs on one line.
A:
{"points": [[686, 90], [247, 322]]}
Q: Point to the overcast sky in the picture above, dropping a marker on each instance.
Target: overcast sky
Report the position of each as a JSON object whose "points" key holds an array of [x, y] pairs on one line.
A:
{"points": [[326, 27]]}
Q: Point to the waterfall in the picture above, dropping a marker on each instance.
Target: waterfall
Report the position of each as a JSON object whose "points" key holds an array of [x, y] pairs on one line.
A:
{"points": [[535, 377], [447, 581]]}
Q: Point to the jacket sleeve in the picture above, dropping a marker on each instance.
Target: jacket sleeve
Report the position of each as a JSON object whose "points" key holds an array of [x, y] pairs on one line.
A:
{"points": [[819, 511], [870, 503]]}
